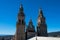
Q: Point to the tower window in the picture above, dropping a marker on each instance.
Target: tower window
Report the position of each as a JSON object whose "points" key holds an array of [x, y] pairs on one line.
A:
{"points": [[22, 21], [19, 20]]}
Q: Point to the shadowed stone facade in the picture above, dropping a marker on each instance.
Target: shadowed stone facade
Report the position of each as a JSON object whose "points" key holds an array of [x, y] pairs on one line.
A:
{"points": [[30, 31], [41, 27], [20, 26]]}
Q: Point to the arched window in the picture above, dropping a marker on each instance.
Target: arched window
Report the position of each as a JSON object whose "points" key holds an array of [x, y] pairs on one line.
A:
{"points": [[22, 21], [19, 21]]}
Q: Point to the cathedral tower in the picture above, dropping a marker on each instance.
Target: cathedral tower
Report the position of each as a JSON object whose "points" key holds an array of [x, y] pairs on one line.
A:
{"points": [[41, 27], [20, 27], [30, 31]]}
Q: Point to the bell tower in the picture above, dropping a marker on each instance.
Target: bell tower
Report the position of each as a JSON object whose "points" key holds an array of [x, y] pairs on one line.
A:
{"points": [[41, 27], [30, 31], [20, 26]]}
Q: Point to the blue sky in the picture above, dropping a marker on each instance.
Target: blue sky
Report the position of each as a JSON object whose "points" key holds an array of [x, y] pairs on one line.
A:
{"points": [[9, 10]]}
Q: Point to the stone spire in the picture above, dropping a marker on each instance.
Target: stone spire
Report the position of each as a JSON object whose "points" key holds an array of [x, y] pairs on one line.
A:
{"points": [[20, 26], [21, 8], [21, 11], [41, 27], [30, 22], [30, 27], [40, 13], [41, 18]]}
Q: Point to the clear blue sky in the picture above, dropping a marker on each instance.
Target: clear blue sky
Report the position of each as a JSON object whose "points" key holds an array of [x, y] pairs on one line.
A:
{"points": [[9, 11]]}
